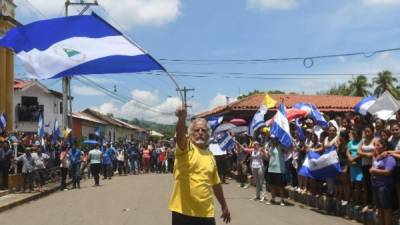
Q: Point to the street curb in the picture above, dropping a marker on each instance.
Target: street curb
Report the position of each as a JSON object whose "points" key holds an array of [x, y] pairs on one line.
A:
{"points": [[30, 198], [333, 207]]}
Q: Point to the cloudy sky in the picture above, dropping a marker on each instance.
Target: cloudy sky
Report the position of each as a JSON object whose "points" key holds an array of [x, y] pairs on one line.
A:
{"points": [[232, 29]]}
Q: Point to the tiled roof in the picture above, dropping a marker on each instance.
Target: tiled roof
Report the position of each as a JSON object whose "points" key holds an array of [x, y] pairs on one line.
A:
{"points": [[325, 103], [19, 84], [86, 116]]}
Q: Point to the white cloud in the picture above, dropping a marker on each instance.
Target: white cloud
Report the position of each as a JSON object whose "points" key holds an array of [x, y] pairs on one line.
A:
{"points": [[218, 100], [145, 96], [161, 112], [143, 12], [86, 91], [272, 4], [380, 2], [128, 13]]}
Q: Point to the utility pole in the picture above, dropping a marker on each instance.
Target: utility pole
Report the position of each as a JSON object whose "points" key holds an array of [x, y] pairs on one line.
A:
{"points": [[66, 81], [185, 91]]}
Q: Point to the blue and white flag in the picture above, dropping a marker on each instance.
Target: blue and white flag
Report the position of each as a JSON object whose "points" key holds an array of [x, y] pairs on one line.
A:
{"points": [[56, 131], [258, 120], [47, 125], [280, 127], [215, 121], [365, 103], [225, 141], [40, 130], [97, 132], [300, 131], [319, 166], [3, 121], [313, 112], [75, 45]]}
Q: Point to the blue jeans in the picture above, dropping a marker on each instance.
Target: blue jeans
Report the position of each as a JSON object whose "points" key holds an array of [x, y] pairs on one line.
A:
{"points": [[75, 170], [135, 165]]}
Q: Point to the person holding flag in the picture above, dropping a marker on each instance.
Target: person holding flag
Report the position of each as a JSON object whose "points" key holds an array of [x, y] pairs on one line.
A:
{"points": [[40, 131], [258, 119], [195, 176], [3, 121]]}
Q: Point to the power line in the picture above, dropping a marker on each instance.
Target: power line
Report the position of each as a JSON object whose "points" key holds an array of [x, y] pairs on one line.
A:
{"points": [[121, 98], [31, 6], [308, 61]]}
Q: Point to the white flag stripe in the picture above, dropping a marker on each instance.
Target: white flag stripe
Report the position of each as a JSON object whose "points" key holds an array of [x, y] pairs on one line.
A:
{"points": [[47, 63]]}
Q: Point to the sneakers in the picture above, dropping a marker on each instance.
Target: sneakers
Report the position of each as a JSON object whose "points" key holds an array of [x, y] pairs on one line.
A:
{"points": [[254, 199], [262, 199], [282, 203], [344, 203], [271, 202], [246, 186]]}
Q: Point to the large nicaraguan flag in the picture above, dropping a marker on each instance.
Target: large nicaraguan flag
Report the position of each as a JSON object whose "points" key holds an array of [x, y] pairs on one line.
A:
{"points": [[365, 103], [75, 45], [280, 127], [319, 166]]}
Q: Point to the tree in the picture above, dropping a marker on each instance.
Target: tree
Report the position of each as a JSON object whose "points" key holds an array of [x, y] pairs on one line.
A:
{"points": [[385, 82], [258, 92], [359, 85], [341, 89]]}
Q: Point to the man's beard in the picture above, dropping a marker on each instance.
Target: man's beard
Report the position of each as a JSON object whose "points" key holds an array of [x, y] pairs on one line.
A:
{"points": [[200, 142]]}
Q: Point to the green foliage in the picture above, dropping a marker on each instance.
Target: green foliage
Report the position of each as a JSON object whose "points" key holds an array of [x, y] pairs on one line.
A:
{"points": [[359, 86], [167, 130], [385, 82], [259, 92]]}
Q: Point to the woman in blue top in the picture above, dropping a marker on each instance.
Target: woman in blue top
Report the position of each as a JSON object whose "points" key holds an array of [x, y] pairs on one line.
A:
{"points": [[382, 181], [356, 175]]}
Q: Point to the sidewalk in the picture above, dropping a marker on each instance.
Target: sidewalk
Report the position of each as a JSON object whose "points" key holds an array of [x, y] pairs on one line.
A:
{"points": [[11, 200]]}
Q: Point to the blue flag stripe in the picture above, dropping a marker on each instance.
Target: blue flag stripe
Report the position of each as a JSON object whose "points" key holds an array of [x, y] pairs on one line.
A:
{"points": [[113, 64], [73, 26]]}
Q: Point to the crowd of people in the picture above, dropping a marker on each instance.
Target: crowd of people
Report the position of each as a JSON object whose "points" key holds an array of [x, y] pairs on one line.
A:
{"points": [[368, 151], [39, 161]]}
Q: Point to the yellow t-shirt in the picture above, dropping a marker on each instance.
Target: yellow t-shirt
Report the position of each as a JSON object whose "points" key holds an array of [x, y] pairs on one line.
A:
{"points": [[195, 172]]}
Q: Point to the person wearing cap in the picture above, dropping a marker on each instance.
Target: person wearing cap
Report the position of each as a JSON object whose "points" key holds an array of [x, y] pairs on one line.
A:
{"points": [[28, 164], [195, 176]]}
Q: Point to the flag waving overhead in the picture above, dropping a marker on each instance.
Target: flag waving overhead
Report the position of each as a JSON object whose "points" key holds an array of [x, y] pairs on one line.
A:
{"points": [[40, 126], [365, 103], [75, 45], [258, 119], [280, 128], [3, 121]]}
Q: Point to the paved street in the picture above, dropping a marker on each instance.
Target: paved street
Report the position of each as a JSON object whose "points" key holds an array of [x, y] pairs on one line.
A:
{"points": [[143, 200]]}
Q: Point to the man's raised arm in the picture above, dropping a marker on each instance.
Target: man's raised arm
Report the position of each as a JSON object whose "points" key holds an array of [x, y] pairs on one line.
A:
{"points": [[181, 129]]}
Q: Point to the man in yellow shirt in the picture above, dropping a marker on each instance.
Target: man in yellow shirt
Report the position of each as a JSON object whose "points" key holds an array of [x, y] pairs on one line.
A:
{"points": [[195, 176]]}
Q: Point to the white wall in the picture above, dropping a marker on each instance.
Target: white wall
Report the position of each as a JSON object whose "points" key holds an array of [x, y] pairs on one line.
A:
{"points": [[49, 115]]}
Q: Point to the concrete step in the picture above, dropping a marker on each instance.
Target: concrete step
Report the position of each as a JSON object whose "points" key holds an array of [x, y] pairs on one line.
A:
{"points": [[3, 193]]}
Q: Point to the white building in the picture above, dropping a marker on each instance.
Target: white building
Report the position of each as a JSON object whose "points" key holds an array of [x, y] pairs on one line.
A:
{"points": [[32, 98]]}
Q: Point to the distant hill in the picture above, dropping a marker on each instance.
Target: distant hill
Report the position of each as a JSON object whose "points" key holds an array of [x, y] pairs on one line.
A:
{"points": [[167, 130]]}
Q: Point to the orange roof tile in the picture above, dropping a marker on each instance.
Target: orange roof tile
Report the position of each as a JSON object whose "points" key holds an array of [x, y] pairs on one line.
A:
{"points": [[325, 103], [19, 84]]}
